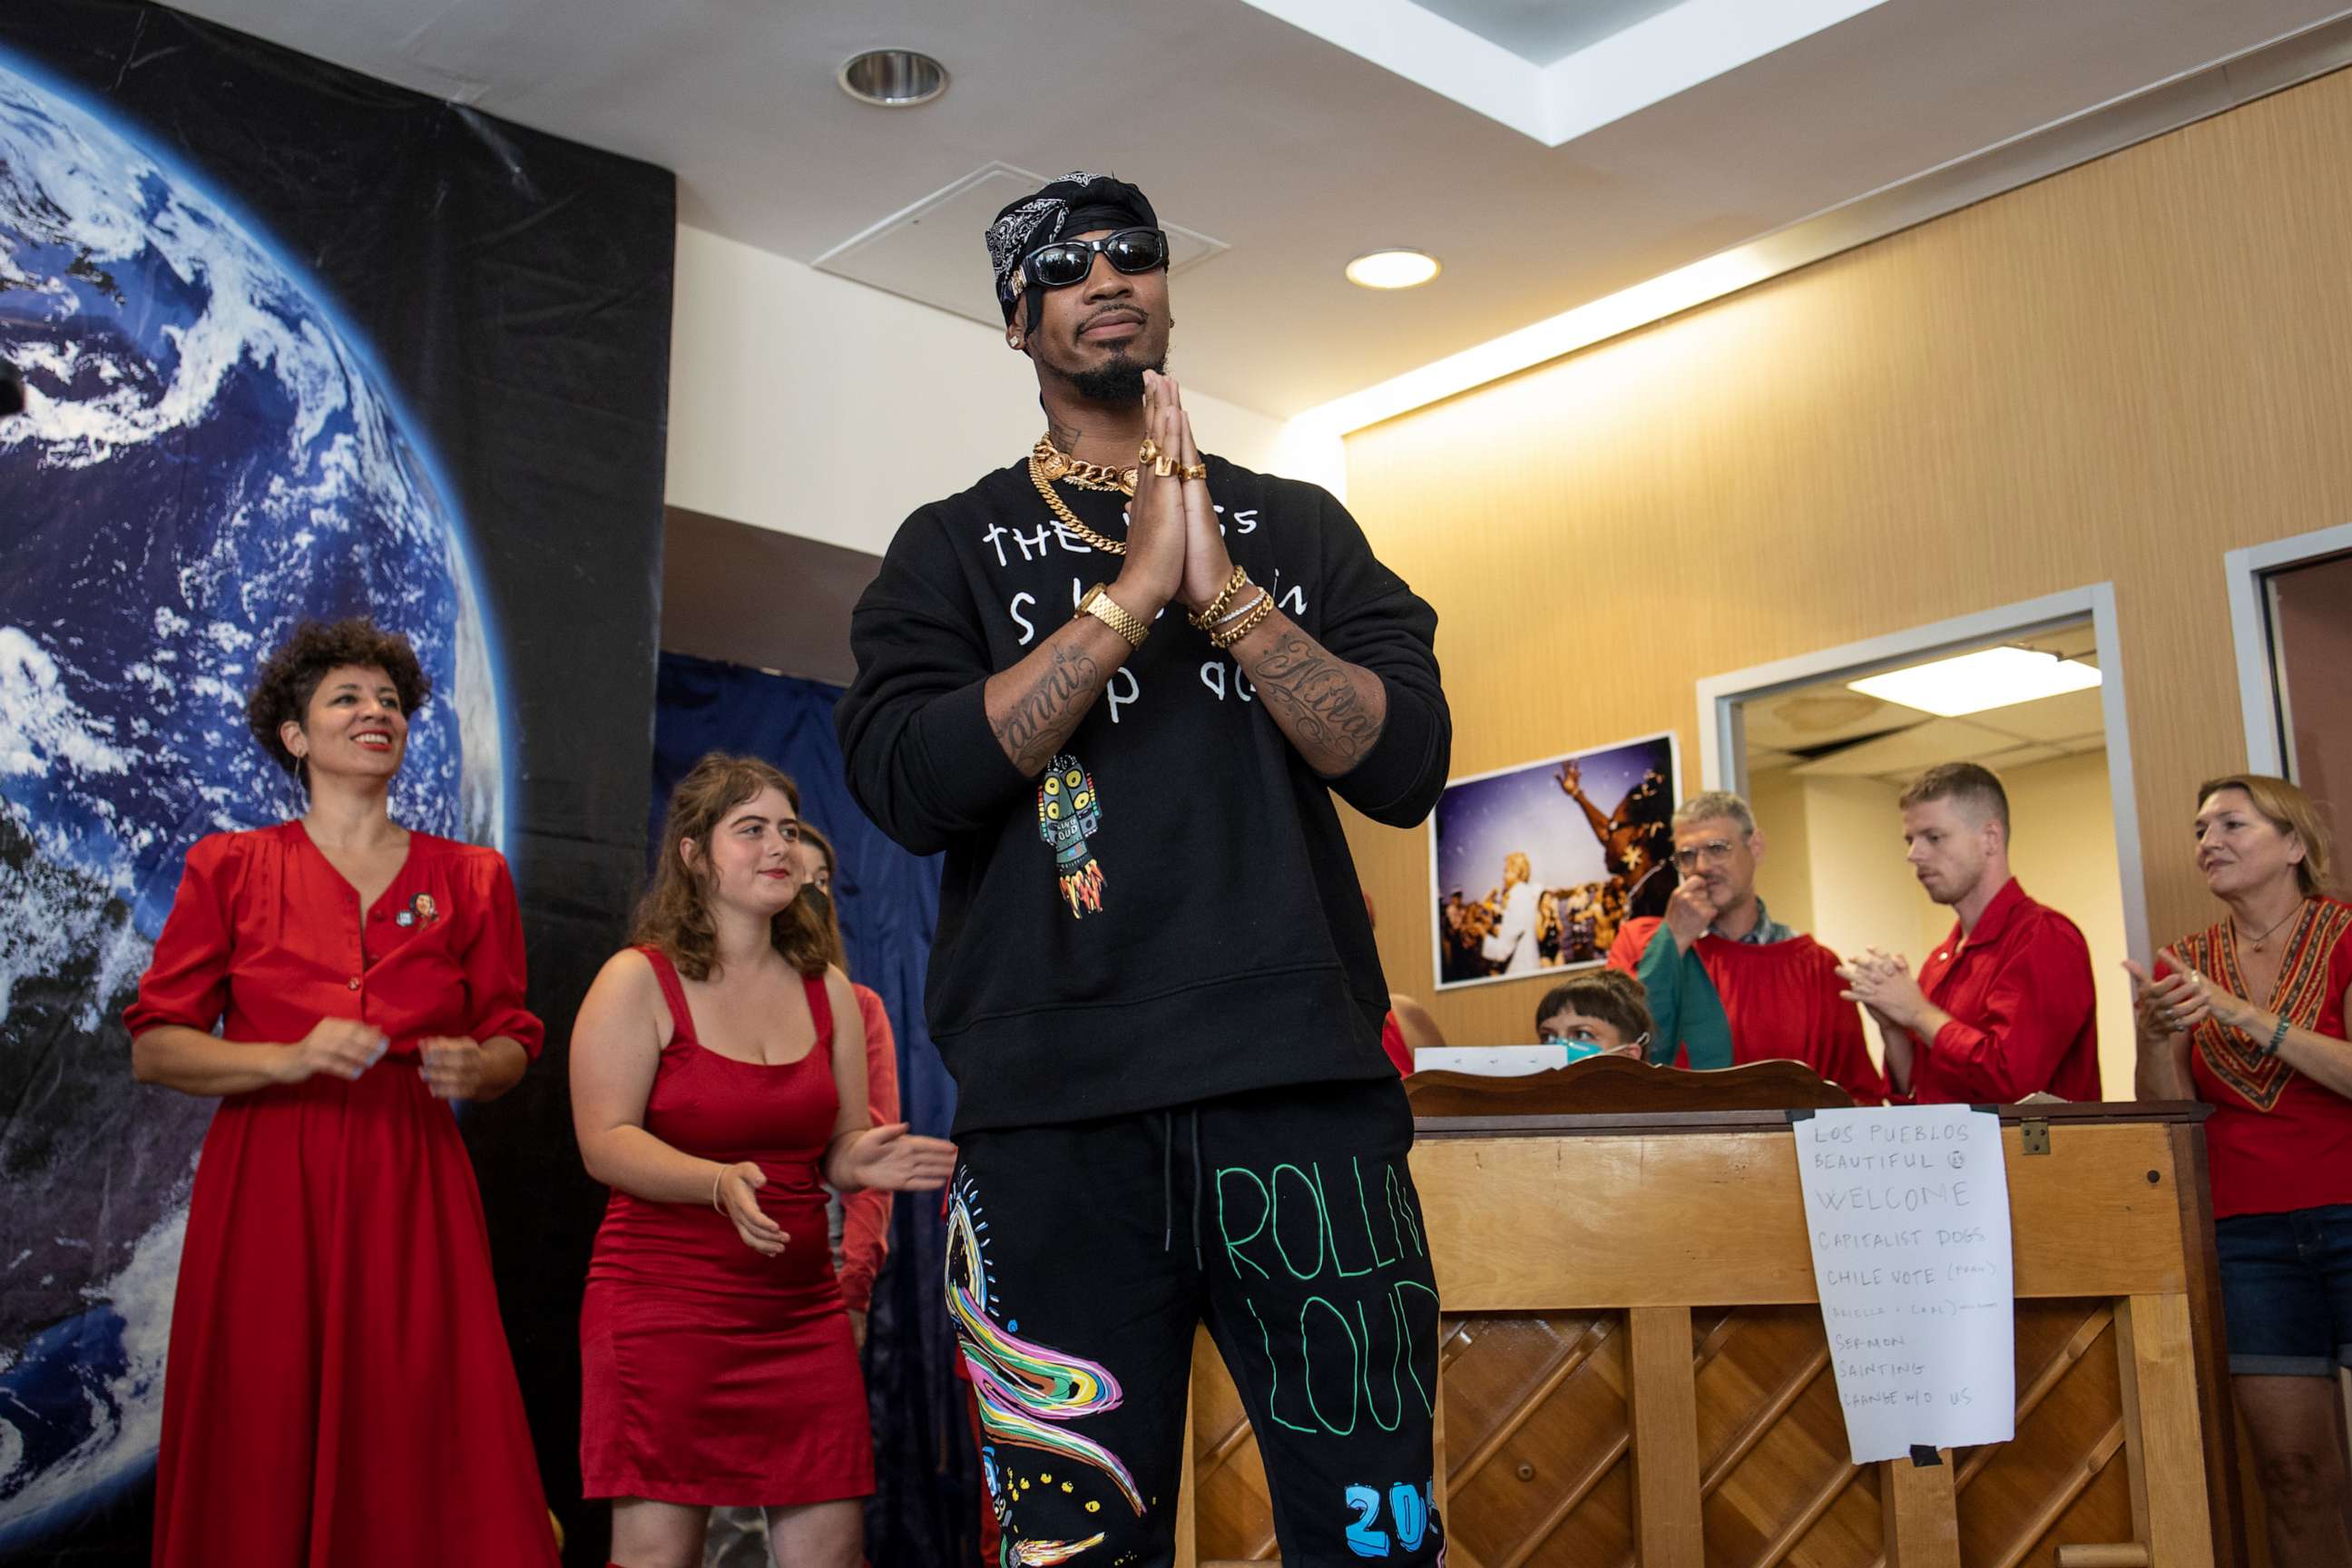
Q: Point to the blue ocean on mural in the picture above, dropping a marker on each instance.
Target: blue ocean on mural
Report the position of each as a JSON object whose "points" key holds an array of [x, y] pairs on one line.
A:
{"points": [[208, 455]]}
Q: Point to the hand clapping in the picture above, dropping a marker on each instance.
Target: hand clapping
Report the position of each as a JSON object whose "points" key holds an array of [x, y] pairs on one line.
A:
{"points": [[738, 1198], [898, 1161], [1883, 982], [2179, 1001]]}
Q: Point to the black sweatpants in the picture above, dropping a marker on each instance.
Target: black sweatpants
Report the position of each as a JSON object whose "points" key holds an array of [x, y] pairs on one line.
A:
{"points": [[1081, 1257]]}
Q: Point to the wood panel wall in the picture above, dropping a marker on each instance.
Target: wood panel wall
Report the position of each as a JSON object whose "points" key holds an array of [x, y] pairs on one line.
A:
{"points": [[2114, 374]]}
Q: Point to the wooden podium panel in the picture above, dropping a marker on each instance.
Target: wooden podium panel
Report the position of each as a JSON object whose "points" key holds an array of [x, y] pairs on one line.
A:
{"points": [[1634, 1372]]}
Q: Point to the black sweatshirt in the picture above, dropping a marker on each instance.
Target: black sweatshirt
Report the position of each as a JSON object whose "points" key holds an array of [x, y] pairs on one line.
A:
{"points": [[1230, 950]]}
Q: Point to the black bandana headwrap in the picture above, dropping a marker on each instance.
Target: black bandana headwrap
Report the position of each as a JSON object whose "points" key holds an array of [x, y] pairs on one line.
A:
{"points": [[1077, 202]]}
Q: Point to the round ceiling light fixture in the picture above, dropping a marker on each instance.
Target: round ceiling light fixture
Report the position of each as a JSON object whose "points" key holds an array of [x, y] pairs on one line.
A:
{"points": [[893, 79], [1395, 269]]}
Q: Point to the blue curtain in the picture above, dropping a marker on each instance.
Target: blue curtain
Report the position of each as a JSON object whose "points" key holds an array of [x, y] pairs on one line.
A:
{"points": [[925, 1510]]}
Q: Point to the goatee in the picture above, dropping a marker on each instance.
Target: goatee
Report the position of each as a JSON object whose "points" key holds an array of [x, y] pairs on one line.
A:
{"points": [[1117, 380]]}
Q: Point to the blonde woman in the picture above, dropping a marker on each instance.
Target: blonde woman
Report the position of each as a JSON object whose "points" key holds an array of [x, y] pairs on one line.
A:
{"points": [[2249, 1016]]}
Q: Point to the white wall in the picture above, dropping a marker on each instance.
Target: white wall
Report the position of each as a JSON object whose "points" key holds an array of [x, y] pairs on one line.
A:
{"points": [[821, 407], [1836, 855]]}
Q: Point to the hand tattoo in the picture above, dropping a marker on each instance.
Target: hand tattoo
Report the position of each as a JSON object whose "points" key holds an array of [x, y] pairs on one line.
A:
{"points": [[1330, 723], [1043, 717]]}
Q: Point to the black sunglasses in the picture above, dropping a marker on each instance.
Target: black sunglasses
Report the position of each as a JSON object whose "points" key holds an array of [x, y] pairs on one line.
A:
{"points": [[1130, 251]]}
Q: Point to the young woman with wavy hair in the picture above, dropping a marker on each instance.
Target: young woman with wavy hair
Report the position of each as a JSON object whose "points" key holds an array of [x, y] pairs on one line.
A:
{"points": [[718, 1085]]}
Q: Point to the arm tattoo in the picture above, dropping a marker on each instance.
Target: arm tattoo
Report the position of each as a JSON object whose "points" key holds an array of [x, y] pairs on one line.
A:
{"points": [[1313, 695], [1042, 718]]}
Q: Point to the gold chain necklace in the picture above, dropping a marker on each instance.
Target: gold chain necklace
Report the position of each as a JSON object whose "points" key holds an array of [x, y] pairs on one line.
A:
{"points": [[1059, 465], [1060, 508]]}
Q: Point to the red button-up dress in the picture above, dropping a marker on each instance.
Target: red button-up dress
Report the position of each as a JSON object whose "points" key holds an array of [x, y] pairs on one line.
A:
{"points": [[338, 1390], [2025, 1012]]}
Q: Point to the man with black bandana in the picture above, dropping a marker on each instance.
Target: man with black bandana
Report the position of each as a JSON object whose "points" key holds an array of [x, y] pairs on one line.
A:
{"points": [[1124, 720]]}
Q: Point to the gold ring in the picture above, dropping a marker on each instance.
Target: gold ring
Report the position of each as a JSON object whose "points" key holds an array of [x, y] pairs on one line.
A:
{"points": [[1193, 471], [1163, 465], [1148, 452]]}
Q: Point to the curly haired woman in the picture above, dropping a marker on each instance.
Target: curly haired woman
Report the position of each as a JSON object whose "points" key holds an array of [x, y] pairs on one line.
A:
{"points": [[338, 1388]]}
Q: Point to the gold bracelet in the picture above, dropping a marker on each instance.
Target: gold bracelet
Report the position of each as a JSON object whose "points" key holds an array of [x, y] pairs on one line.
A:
{"points": [[1217, 607], [714, 1182], [1112, 614], [1258, 612]]}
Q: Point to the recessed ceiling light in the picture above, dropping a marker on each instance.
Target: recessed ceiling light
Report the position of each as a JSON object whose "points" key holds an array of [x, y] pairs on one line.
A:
{"points": [[1392, 269], [893, 79], [1992, 677]]}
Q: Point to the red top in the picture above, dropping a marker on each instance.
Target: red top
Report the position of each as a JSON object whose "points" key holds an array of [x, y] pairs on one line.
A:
{"points": [[2277, 1141], [865, 1213], [1782, 1001], [266, 938], [777, 1115], [1393, 1041], [2025, 1016]]}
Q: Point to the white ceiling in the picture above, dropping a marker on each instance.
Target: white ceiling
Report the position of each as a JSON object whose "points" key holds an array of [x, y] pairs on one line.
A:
{"points": [[1541, 31], [1294, 152], [1827, 730]]}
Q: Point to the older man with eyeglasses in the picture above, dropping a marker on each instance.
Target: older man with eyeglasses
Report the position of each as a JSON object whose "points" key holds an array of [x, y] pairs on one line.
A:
{"points": [[1727, 983]]}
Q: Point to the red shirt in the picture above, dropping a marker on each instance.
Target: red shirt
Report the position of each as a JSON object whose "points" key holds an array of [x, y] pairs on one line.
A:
{"points": [[866, 1213], [2024, 1014], [266, 938], [2277, 1141], [1782, 1001], [1393, 1041]]}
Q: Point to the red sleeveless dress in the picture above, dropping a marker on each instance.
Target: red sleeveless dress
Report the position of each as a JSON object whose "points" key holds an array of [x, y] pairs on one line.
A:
{"points": [[710, 1375]]}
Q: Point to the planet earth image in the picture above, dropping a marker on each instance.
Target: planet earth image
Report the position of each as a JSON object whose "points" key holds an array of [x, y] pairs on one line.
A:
{"points": [[207, 454]]}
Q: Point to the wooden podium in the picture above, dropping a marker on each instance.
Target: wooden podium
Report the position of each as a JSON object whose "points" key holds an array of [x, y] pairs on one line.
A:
{"points": [[1634, 1372]]}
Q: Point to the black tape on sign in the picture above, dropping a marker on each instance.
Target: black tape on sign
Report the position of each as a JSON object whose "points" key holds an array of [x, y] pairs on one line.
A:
{"points": [[1924, 1455], [1799, 1113]]}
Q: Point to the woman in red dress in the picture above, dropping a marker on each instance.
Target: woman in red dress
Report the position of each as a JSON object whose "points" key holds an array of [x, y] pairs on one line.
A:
{"points": [[2249, 1016], [338, 1389], [717, 1079]]}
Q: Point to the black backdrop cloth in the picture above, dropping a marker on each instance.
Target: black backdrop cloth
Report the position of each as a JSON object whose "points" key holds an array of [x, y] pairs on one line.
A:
{"points": [[295, 342]]}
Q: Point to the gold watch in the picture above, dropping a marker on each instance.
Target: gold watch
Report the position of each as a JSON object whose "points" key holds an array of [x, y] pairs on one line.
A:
{"points": [[1106, 609]]}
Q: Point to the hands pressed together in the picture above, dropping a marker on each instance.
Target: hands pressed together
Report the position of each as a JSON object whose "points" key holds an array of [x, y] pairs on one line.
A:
{"points": [[1175, 545]]}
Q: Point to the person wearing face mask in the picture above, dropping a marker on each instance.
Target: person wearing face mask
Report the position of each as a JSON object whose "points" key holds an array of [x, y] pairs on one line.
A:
{"points": [[2004, 1008], [1601, 1013], [2249, 1015], [1726, 983], [718, 1085], [338, 1387]]}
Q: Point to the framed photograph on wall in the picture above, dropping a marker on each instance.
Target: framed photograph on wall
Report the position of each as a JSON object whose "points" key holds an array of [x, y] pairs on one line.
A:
{"points": [[1534, 867]]}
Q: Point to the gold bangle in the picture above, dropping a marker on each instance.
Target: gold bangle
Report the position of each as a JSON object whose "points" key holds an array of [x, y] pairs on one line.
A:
{"points": [[1112, 614], [1249, 623], [1216, 609], [715, 1183]]}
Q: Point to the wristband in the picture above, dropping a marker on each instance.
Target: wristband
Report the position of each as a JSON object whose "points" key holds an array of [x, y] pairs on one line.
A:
{"points": [[2278, 1037]]}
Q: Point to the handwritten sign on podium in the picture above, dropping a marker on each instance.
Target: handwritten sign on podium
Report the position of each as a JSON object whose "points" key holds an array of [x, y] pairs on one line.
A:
{"points": [[1907, 1207]]}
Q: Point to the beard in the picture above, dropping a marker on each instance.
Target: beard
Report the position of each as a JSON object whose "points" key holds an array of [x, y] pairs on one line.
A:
{"points": [[1117, 380]]}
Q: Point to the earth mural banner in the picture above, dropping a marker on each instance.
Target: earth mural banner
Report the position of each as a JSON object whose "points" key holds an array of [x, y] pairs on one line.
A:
{"points": [[295, 343]]}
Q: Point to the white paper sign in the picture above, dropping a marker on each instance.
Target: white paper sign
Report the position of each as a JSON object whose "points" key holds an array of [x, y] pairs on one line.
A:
{"points": [[1907, 1207]]}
